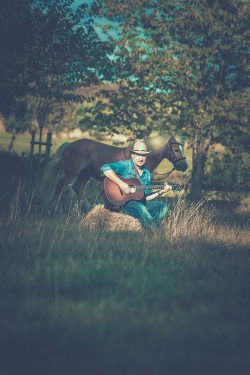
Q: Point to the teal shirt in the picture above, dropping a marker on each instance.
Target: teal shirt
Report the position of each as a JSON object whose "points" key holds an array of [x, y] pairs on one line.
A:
{"points": [[126, 169]]}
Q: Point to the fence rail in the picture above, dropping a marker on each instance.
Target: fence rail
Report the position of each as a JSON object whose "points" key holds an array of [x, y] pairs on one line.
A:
{"points": [[40, 143]]}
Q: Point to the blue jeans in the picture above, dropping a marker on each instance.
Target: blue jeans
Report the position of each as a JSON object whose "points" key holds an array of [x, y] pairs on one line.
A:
{"points": [[149, 213]]}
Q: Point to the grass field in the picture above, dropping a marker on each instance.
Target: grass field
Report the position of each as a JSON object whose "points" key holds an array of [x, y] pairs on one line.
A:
{"points": [[75, 301], [78, 301]]}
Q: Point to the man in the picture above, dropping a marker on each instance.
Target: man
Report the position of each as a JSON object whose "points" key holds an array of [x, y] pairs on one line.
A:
{"points": [[149, 213]]}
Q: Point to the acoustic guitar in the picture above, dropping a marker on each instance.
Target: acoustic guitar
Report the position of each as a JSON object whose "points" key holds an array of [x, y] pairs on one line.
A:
{"points": [[114, 197]]}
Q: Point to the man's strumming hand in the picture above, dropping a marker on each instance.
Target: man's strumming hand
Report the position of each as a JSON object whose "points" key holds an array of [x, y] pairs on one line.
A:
{"points": [[124, 187]]}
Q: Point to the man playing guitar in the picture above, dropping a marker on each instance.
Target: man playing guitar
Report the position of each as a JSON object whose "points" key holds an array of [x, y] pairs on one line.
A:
{"points": [[147, 212]]}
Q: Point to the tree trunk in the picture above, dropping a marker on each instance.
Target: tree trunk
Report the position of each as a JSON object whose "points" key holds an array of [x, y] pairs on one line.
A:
{"points": [[200, 151], [199, 162], [13, 138]]}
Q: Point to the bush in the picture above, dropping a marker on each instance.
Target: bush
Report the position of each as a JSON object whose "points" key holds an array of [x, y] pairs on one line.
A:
{"points": [[228, 175]]}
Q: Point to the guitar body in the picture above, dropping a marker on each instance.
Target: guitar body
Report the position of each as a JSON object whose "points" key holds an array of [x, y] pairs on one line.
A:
{"points": [[115, 198]]}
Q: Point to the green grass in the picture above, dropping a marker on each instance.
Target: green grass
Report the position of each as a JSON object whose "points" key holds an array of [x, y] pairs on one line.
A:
{"points": [[74, 301], [21, 145]]}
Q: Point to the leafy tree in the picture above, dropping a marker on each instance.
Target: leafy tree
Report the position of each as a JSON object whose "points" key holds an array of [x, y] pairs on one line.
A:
{"points": [[47, 49], [20, 120], [186, 62], [235, 171]]}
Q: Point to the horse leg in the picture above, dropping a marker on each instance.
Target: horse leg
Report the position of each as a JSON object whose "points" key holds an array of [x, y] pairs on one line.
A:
{"points": [[88, 190], [80, 187], [51, 184]]}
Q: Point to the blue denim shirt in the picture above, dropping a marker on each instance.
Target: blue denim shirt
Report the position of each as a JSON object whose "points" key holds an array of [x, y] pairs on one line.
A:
{"points": [[126, 169]]}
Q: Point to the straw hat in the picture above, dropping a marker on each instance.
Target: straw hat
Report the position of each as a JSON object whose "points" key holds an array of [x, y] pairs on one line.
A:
{"points": [[140, 148]]}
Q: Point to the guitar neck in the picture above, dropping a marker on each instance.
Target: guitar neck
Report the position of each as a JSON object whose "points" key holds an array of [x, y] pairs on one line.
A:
{"points": [[157, 187], [151, 187]]}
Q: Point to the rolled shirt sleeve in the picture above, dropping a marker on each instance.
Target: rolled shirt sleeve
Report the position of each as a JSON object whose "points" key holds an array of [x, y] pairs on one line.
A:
{"points": [[118, 167]]}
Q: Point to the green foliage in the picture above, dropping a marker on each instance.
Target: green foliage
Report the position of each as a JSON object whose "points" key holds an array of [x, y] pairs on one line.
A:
{"points": [[184, 63], [228, 174], [46, 50], [21, 119], [189, 58]]}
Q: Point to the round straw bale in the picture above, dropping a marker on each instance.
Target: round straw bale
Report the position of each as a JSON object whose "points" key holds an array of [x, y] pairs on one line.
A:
{"points": [[101, 218]]}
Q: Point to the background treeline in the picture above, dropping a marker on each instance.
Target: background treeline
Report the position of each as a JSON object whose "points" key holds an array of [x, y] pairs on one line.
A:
{"points": [[178, 68]]}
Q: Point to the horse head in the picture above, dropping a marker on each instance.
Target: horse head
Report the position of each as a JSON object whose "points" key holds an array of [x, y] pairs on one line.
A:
{"points": [[175, 155]]}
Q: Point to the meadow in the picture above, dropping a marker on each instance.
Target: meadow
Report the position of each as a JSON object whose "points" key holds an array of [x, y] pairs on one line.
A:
{"points": [[81, 301], [174, 301]]}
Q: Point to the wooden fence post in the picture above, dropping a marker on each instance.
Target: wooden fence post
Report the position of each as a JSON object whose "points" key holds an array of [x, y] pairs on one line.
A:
{"points": [[40, 143], [48, 147]]}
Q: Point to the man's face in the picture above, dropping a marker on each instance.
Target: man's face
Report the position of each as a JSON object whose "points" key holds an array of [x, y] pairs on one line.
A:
{"points": [[139, 160]]}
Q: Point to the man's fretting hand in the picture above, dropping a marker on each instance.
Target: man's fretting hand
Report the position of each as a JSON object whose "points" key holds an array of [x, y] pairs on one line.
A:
{"points": [[166, 188]]}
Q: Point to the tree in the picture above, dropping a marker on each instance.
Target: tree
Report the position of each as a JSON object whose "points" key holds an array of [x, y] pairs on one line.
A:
{"points": [[47, 49], [235, 171], [187, 61]]}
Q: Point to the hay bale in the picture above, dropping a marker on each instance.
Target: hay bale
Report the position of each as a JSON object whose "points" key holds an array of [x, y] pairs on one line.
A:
{"points": [[101, 218]]}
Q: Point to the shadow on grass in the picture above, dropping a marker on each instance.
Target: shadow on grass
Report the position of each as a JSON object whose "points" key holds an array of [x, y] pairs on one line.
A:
{"points": [[74, 301]]}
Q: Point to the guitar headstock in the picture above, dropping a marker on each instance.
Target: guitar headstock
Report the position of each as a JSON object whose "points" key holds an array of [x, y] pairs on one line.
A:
{"points": [[176, 187]]}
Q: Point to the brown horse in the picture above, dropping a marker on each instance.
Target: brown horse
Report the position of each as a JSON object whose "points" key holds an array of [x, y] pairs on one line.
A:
{"points": [[75, 163]]}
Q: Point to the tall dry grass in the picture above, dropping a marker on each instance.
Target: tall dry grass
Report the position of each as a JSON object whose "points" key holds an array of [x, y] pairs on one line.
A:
{"points": [[200, 221], [192, 221], [186, 221]]}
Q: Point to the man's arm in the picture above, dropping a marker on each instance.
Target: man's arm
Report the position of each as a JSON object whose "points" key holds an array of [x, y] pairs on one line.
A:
{"points": [[158, 194], [112, 171]]}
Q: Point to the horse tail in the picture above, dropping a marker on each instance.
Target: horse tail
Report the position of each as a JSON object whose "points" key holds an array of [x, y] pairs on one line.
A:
{"points": [[53, 174]]}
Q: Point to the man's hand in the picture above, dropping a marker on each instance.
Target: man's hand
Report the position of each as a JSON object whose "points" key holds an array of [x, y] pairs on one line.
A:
{"points": [[109, 173], [166, 188], [124, 187]]}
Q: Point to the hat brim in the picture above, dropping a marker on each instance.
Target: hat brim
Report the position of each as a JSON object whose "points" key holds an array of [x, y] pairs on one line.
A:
{"points": [[139, 152]]}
